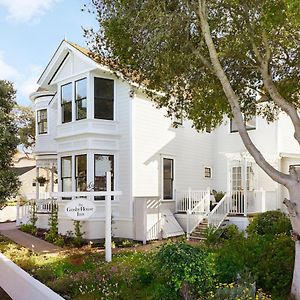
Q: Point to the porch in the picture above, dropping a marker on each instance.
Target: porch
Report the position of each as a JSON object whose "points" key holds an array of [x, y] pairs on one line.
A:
{"points": [[195, 207]]}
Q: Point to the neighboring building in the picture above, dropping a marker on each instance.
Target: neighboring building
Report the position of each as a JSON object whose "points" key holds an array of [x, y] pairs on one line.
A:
{"points": [[24, 167], [89, 121]]}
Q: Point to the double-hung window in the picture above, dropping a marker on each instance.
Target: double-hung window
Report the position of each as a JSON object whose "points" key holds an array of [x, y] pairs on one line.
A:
{"points": [[168, 178], [42, 121], [103, 163], [81, 98], [81, 172], [66, 103], [103, 99], [66, 174]]}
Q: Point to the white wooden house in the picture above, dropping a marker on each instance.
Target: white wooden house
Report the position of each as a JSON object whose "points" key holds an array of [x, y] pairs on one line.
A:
{"points": [[90, 121]]}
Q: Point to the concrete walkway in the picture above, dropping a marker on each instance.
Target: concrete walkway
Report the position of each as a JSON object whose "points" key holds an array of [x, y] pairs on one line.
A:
{"points": [[27, 240]]}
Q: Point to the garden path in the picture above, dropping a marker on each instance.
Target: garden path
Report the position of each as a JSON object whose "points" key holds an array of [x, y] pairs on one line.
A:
{"points": [[26, 240]]}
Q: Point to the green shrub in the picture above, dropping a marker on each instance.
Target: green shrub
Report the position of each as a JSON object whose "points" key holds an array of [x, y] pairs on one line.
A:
{"points": [[187, 269], [270, 223], [29, 228], [211, 235], [269, 261], [231, 231]]}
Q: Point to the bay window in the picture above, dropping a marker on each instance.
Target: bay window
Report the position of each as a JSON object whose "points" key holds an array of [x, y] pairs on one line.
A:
{"points": [[103, 99], [81, 98], [81, 172], [42, 121], [66, 174], [66, 103], [103, 163]]}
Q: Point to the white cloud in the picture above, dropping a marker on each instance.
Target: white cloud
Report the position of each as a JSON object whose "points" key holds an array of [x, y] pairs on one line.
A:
{"points": [[24, 83], [7, 71], [26, 10]]}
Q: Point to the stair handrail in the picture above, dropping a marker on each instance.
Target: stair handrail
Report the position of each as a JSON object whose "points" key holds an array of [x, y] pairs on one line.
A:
{"points": [[205, 201], [223, 207]]}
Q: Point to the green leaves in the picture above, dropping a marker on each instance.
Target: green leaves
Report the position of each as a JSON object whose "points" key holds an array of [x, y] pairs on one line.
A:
{"points": [[159, 44], [9, 183]]}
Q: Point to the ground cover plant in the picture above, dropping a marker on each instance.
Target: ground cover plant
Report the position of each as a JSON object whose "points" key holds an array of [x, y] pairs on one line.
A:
{"points": [[233, 267]]}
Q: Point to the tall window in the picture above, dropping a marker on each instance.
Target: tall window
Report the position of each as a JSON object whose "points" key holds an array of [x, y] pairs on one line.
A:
{"points": [[168, 178], [66, 173], [80, 98], [66, 103], [42, 121], [250, 125], [80, 172], [103, 163], [104, 99]]}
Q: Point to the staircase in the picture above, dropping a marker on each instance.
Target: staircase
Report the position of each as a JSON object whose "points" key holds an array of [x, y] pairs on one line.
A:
{"points": [[199, 232], [215, 218]]}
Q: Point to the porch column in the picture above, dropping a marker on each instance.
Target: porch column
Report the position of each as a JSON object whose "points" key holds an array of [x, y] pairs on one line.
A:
{"points": [[37, 185], [52, 179], [244, 184]]}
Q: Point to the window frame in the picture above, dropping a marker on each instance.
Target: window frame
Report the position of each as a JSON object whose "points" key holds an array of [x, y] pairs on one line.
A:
{"points": [[80, 99], [83, 176], [172, 179], [248, 126], [42, 121], [61, 171], [63, 104], [210, 172], [104, 98], [102, 198]]}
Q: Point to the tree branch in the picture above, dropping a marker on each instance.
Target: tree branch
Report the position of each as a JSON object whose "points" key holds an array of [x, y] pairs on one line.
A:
{"points": [[234, 101]]}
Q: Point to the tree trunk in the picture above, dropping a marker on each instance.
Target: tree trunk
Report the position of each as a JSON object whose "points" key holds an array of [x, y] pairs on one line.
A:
{"points": [[296, 277]]}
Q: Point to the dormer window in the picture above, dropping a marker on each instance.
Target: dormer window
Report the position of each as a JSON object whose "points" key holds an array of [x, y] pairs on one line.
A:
{"points": [[103, 99], [66, 103], [42, 121], [81, 98]]}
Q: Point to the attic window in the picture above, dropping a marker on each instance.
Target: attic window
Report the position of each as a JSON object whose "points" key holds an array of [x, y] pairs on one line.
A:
{"points": [[103, 99], [42, 121]]}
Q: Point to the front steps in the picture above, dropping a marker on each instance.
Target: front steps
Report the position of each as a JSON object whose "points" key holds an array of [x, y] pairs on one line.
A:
{"points": [[199, 232]]}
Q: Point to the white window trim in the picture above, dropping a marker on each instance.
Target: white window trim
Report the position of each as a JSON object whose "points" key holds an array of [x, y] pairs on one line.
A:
{"points": [[36, 123], [162, 177], [211, 173]]}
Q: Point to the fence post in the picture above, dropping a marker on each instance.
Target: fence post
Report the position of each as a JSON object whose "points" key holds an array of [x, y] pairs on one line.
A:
{"points": [[108, 256], [190, 198]]}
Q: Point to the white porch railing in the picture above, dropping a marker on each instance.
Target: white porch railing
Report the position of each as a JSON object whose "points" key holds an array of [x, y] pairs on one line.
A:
{"points": [[189, 199], [237, 203], [220, 212], [198, 213], [43, 206]]}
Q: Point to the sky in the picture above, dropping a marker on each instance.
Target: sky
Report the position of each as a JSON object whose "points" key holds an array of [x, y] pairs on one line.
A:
{"points": [[31, 31]]}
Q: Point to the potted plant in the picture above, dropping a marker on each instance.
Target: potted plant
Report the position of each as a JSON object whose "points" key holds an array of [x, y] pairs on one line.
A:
{"points": [[41, 180]]}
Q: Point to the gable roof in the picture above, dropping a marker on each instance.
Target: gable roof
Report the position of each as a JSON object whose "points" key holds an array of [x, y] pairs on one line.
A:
{"points": [[97, 62], [22, 170]]}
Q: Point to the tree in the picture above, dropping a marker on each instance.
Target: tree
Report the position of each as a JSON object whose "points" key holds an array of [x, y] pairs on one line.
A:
{"points": [[209, 59], [26, 126], [9, 183]]}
